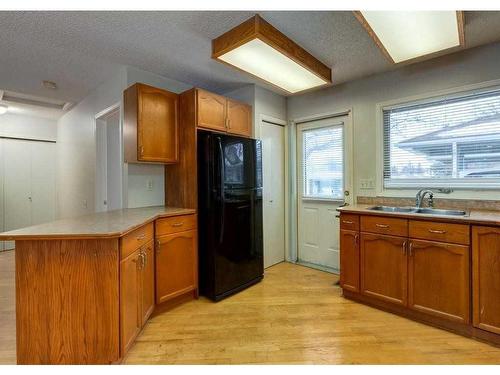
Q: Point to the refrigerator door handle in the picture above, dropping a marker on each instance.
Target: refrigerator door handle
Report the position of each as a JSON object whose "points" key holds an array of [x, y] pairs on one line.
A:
{"points": [[221, 191]]}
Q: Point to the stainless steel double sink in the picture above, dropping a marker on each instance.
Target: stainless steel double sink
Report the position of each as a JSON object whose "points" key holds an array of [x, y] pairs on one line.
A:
{"points": [[419, 210]]}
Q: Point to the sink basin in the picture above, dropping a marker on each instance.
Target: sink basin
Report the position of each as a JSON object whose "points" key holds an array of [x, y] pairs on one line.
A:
{"points": [[393, 209], [435, 211], [415, 210]]}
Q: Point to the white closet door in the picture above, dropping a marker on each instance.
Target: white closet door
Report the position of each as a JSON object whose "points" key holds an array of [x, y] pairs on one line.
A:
{"points": [[273, 165], [2, 229], [43, 186], [17, 185]]}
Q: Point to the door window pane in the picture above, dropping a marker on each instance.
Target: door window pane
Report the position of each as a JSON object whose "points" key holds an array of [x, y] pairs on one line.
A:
{"points": [[323, 164]]}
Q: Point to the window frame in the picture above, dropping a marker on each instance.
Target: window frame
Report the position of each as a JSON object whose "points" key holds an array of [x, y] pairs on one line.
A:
{"points": [[412, 184]]}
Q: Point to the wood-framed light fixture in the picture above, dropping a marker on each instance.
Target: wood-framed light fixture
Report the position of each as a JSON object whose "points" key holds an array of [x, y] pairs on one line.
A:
{"points": [[259, 49], [408, 36]]}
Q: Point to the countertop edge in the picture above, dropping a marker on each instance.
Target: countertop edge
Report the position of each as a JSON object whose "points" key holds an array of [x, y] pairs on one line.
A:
{"points": [[469, 219], [90, 236]]}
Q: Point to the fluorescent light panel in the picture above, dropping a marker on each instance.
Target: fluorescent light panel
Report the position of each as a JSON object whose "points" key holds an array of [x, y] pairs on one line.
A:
{"points": [[267, 63], [407, 35]]}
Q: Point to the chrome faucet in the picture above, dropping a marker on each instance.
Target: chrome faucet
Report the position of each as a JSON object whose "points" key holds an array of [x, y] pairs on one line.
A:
{"points": [[421, 195]]}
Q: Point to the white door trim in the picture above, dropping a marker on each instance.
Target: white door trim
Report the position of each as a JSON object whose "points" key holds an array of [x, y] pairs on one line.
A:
{"points": [[102, 115]]}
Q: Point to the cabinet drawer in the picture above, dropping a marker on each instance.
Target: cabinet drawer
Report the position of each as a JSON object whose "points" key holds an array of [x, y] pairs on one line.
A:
{"points": [[135, 239], [442, 232], [349, 221], [384, 225], [175, 224]]}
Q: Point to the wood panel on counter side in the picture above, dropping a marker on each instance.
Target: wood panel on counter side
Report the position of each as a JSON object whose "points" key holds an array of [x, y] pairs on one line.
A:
{"points": [[59, 283], [486, 278], [181, 179]]}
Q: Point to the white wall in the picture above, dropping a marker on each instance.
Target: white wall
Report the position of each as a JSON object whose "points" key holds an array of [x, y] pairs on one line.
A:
{"points": [[263, 101], [460, 69], [21, 126], [77, 148]]}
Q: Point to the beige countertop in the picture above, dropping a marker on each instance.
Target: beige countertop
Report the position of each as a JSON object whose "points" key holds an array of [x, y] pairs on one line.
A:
{"points": [[103, 224], [483, 217]]}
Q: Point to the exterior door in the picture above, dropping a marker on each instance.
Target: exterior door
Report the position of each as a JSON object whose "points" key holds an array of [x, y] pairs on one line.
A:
{"points": [[273, 165], [323, 175], [384, 267]]}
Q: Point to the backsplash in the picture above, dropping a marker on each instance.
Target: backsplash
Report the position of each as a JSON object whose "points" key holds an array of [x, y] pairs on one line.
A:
{"points": [[438, 203]]}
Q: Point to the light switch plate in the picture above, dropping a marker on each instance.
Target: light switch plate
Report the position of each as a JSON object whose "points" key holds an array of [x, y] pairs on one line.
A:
{"points": [[367, 183], [150, 185]]}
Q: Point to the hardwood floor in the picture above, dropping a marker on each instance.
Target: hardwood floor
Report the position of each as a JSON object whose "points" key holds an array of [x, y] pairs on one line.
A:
{"points": [[296, 315]]}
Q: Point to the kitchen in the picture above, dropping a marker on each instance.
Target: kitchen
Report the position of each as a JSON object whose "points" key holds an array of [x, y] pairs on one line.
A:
{"points": [[162, 205]]}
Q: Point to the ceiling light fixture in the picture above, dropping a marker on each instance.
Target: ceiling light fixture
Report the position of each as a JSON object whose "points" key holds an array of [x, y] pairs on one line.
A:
{"points": [[258, 48], [406, 36], [3, 109]]}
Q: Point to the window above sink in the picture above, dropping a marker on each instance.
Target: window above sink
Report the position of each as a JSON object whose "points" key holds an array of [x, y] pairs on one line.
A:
{"points": [[450, 141]]}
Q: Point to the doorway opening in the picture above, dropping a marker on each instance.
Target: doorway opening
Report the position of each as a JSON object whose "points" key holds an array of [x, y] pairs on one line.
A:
{"points": [[109, 164]]}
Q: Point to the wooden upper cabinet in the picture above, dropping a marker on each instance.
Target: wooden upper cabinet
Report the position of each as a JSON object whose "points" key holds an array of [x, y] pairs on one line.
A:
{"points": [[349, 260], [438, 279], [212, 111], [176, 265], [151, 122], [384, 268], [239, 118], [486, 278]]}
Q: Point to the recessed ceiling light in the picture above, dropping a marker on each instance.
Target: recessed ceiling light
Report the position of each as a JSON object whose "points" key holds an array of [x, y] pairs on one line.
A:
{"points": [[256, 47], [404, 36], [49, 85], [3, 109]]}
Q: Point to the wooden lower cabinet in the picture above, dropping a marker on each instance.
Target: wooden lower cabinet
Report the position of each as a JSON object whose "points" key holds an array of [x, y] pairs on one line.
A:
{"points": [[384, 267], [486, 278], [136, 293], [176, 265], [349, 260], [130, 295], [438, 279], [148, 282]]}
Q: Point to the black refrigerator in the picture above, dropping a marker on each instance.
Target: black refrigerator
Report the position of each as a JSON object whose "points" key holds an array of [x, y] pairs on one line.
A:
{"points": [[229, 213]]}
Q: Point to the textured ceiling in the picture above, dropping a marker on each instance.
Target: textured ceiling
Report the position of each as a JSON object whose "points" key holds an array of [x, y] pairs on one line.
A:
{"points": [[78, 50]]}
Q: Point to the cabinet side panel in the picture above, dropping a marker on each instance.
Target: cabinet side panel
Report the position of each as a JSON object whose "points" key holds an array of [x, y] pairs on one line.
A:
{"points": [[181, 179], [130, 124], [67, 301]]}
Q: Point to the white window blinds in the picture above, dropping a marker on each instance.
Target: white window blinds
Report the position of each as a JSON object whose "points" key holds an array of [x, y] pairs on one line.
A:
{"points": [[450, 142], [323, 162]]}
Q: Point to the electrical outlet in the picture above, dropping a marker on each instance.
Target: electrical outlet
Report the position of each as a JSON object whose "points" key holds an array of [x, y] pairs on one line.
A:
{"points": [[150, 185], [367, 183]]}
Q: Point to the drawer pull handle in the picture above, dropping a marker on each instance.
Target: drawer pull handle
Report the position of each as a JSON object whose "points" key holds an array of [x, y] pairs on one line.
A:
{"points": [[177, 224], [141, 237], [411, 248], [437, 231], [382, 226], [347, 222], [404, 248], [356, 240]]}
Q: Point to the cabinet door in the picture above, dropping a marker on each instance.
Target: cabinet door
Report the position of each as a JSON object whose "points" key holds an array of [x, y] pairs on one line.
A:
{"points": [[211, 110], [157, 133], [148, 281], [384, 267], [130, 300], [486, 278], [176, 265], [239, 118], [438, 276], [349, 260]]}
